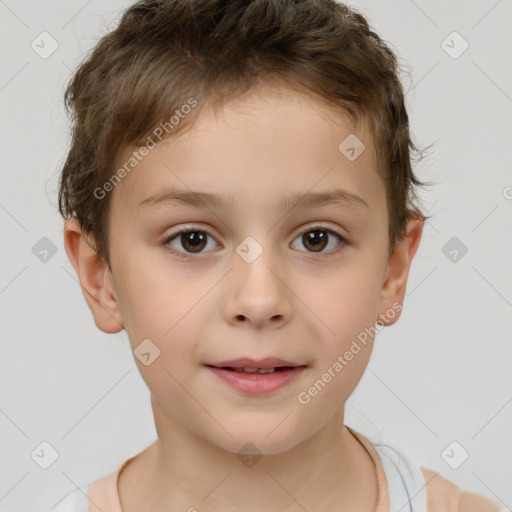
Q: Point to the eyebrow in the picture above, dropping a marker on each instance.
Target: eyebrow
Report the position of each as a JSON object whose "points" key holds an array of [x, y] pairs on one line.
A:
{"points": [[297, 200]]}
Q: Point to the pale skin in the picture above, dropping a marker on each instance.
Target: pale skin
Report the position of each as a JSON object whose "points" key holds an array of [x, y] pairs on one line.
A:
{"points": [[293, 303]]}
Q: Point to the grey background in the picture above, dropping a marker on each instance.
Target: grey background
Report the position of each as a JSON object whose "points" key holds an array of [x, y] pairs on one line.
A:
{"points": [[441, 374]]}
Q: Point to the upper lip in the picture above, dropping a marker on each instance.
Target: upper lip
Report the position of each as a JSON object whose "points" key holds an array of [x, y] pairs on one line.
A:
{"points": [[244, 362]]}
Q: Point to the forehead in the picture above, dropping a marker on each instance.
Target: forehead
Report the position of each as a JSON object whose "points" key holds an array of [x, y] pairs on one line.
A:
{"points": [[258, 149]]}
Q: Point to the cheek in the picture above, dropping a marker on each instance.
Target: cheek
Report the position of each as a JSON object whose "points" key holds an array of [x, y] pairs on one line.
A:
{"points": [[175, 343], [347, 302], [169, 310], [153, 299], [347, 307], [342, 355]]}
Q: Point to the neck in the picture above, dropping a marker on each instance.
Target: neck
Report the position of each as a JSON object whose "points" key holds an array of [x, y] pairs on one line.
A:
{"points": [[184, 471]]}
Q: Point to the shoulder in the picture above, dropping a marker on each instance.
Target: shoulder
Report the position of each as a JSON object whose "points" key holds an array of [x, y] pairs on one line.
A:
{"points": [[442, 494], [74, 501], [471, 502]]}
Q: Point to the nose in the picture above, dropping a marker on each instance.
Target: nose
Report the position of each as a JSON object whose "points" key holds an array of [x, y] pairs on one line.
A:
{"points": [[257, 293]]}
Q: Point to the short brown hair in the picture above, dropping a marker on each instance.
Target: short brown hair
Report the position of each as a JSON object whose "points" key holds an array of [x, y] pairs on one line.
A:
{"points": [[164, 52]]}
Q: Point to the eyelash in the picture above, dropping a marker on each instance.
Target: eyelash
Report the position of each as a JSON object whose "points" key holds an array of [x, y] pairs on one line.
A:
{"points": [[342, 240]]}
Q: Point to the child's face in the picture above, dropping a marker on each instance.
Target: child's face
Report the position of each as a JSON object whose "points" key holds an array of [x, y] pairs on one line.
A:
{"points": [[303, 299]]}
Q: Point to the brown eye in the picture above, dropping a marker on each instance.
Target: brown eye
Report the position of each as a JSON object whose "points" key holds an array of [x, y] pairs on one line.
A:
{"points": [[316, 239], [192, 241]]}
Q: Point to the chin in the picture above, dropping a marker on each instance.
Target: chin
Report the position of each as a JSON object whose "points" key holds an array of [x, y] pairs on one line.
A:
{"points": [[255, 439]]}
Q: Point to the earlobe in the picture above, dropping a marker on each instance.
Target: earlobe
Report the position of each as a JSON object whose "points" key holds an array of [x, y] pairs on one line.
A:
{"points": [[397, 273], [94, 277]]}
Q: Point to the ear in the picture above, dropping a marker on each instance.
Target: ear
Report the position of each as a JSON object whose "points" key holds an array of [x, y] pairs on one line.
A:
{"points": [[95, 279], [397, 272]]}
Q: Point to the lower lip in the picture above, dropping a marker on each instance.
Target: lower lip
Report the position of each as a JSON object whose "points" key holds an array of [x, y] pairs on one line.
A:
{"points": [[257, 383]]}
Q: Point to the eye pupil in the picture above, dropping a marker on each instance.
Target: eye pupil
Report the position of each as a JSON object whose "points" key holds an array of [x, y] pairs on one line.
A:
{"points": [[312, 238], [193, 240]]}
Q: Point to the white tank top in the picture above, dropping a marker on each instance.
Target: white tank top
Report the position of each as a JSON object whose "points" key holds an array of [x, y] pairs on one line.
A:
{"points": [[406, 484]]}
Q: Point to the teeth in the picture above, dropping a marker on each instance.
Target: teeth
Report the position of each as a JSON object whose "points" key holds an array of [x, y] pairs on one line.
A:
{"points": [[254, 370]]}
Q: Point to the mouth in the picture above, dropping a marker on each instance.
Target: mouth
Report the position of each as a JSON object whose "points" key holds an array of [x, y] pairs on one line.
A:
{"points": [[256, 376], [254, 370], [255, 365]]}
